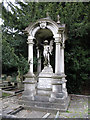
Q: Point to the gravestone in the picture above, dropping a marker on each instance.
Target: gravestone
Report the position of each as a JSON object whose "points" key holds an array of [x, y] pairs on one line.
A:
{"points": [[48, 90], [8, 79]]}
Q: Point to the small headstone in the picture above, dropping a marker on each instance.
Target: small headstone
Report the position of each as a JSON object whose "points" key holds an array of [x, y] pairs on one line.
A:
{"points": [[18, 79], [9, 78], [19, 83]]}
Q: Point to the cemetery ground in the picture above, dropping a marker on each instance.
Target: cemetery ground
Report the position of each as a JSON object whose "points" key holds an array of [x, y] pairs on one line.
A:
{"points": [[78, 108], [10, 107]]}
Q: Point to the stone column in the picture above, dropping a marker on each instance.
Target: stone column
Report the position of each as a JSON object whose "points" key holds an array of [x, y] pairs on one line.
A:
{"points": [[62, 65], [62, 58], [57, 55], [59, 91], [57, 78], [30, 81], [62, 53], [39, 61], [30, 52]]}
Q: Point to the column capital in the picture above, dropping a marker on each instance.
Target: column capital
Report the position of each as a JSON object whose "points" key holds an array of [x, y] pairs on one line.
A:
{"points": [[58, 38], [62, 45], [30, 40]]}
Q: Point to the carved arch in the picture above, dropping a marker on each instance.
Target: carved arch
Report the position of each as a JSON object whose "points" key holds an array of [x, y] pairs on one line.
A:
{"points": [[42, 23]]}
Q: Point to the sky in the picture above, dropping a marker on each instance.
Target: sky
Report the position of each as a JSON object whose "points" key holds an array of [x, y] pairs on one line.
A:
{"points": [[5, 4], [7, 7]]}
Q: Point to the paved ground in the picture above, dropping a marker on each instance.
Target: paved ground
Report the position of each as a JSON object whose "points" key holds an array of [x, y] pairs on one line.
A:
{"points": [[78, 108]]}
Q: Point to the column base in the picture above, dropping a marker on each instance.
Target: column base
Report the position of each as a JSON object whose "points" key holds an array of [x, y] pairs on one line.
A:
{"points": [[29, 86], [59, 92]]}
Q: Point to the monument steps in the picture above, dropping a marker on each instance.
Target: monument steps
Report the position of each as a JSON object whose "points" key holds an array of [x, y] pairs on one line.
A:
{"points": [[45, 98], [36, 105], [58, 104]]}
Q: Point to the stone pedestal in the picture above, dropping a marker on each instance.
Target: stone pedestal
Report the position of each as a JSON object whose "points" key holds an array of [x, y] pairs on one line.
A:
{"points": [[59, 92], [29, 87], [49, 94], [44, 86], [58, 88]]}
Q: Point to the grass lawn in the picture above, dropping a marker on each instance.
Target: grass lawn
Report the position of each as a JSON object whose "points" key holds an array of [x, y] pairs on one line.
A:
{"points": [[5, 94]]}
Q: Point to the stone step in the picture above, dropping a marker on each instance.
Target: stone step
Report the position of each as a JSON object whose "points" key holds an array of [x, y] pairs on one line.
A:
{"points": [[44, 109], [44, 105], [42, 98], [61, 101]]}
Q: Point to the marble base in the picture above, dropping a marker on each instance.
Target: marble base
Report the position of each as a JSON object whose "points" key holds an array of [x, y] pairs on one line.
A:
{"points": [[44, 86], [61, 105], [29, 86], [48, 93]]}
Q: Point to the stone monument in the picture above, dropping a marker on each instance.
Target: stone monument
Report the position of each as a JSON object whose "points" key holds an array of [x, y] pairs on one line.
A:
{"points": [[47, 91]]}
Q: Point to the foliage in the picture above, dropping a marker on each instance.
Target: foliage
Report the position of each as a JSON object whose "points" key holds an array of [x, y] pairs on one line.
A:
{"points": [[5, 94], [11, 61], [76, 17], [77, 63], [9, 57], [23, 67]]}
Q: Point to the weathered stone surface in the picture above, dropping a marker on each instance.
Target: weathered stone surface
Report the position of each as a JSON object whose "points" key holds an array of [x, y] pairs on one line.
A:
{"points": [[78, 108], [49, 90], [40, 104], [45, 81], [46, 71], [41, 98], [48, 93], [29, 86]]}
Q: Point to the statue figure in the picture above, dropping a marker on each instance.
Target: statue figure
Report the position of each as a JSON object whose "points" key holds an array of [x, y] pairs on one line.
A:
{"points": [[47, 52]]}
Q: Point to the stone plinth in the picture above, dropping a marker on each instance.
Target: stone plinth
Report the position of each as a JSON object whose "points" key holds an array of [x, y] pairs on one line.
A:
{"points": [[49, 93], [44, 86], [59, 93], [45, 105], [29, 86], [58, 90]]}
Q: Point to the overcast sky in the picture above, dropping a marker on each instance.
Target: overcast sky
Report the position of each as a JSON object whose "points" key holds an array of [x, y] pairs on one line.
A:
{"points": [[6, 5]]}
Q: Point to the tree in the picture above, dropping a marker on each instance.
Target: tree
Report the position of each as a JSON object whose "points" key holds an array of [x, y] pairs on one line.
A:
{"points": [[74, 15]]}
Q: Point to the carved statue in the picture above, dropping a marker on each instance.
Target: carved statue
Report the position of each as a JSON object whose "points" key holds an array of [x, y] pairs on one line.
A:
{"points": [[47, 52]]}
